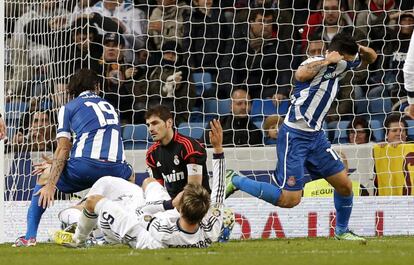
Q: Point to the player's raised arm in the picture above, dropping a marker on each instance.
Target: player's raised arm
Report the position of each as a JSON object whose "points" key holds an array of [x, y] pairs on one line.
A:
{"points": [[368, 55], [308, 71], [219, 165]]}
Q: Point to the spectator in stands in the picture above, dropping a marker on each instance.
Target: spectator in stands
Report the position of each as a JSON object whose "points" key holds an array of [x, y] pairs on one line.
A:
{"points": [[40, 136], [394, 62], [271, 127], [316, 46], [168, 84], [327, 22], [118, 76], [396, 129], [253, 57], [167, 22], [374, 22], [25, 51], [132, 21], [358, 131], [238, 128], [409, 77], [204, 37]]}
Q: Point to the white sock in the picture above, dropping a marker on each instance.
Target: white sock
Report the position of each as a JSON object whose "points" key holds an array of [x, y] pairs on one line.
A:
{"points": [[86, 224]]}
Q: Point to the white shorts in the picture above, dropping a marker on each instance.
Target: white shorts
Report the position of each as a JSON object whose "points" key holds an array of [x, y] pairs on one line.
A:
{"points": [[130, 196], [121, 226], [156, 192]]}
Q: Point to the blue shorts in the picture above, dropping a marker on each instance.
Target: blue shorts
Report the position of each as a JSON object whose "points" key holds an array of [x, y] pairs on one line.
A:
{"points": [[298, 151], [81, 173]]}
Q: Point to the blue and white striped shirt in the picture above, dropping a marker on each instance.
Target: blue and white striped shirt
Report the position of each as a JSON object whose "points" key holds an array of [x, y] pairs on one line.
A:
{"points": [[312, 99], [96, 127]]}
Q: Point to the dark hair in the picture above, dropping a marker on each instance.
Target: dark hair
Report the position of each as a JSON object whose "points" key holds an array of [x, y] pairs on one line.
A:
{"points": [[364, 124], [239, 88], [161, 111], [395, 118], [344, 44], [82, 26], [260, 11], [83, 80]]}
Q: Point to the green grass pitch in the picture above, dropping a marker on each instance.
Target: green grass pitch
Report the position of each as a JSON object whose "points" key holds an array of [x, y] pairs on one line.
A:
{"points": [[384, 250]]}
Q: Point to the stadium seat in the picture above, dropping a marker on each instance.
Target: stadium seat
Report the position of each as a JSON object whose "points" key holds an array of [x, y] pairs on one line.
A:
{"points": [[192, 129], [203, 82], [410, 129], [214, 107], [264, 107], [14, 110], [379, 108], [340, 129], [377, 128], [135, 136]]}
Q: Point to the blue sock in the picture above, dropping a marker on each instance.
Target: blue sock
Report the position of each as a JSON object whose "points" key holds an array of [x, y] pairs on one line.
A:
{"points": [[34, 214], [261, 190], [343, 206]]}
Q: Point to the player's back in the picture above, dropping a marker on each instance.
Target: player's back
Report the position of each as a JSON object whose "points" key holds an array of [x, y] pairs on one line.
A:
{"points": [[95, 124], [170, 234]]}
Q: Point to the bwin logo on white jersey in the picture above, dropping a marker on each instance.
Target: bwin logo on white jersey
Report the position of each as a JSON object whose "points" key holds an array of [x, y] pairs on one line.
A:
{"points": [[173, 177]]}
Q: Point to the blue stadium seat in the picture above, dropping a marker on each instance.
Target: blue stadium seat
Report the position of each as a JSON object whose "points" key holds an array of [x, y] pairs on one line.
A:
{"points": [[203, 82], [340, 136], [264, 107], [377, 128], [14, 110], [214, 107], [410, 129], [192, 129], [379, 108], [136, 136]]}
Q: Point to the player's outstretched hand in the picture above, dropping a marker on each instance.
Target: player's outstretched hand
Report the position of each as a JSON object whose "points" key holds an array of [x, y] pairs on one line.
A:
{"points": [[39, 168], [216, 136], [46, 195]]}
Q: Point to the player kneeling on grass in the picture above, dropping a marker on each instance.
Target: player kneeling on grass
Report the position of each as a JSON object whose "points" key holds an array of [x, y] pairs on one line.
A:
{"points": [[199, 224], [301, 142]]}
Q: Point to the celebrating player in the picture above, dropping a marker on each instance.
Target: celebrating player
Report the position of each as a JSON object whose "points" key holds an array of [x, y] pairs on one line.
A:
{"points": [[97, 150], [174, 160], [301, 142], [199, 223]]}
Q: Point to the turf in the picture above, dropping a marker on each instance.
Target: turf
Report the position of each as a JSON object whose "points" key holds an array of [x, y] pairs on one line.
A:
{"points": [[385, 250]]}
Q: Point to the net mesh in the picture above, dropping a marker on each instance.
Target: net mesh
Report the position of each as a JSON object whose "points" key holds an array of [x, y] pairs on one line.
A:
{"points": [[194, 56]]}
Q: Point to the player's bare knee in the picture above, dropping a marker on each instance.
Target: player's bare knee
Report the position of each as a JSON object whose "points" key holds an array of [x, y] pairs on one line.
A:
{"points": [[146, 182], [91, 202], [288, 202], [345, 189]]}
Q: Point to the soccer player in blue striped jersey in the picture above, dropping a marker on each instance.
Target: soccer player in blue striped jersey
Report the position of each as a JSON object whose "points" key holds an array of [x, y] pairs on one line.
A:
{"points": [[97, 150], [301, 142]]}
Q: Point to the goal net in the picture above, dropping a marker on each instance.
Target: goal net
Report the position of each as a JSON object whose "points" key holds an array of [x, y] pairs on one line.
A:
{"points": [[199, 57]]}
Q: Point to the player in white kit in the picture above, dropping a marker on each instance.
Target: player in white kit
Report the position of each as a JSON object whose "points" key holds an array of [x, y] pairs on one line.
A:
{"points": [[111, 204]]}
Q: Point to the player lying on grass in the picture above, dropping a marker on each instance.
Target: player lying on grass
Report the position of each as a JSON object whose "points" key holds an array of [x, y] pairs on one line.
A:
{"points": [[199, 224], [301, 142]]}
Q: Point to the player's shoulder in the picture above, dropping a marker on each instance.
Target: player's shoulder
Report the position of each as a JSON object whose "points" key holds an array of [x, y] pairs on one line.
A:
{"points": [[312, 59], [152, 149], [188, 143]]}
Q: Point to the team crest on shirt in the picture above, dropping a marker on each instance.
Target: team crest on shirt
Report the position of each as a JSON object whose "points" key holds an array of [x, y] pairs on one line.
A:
{"points": [[215, 212], [176, 160], [291, 181]]}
